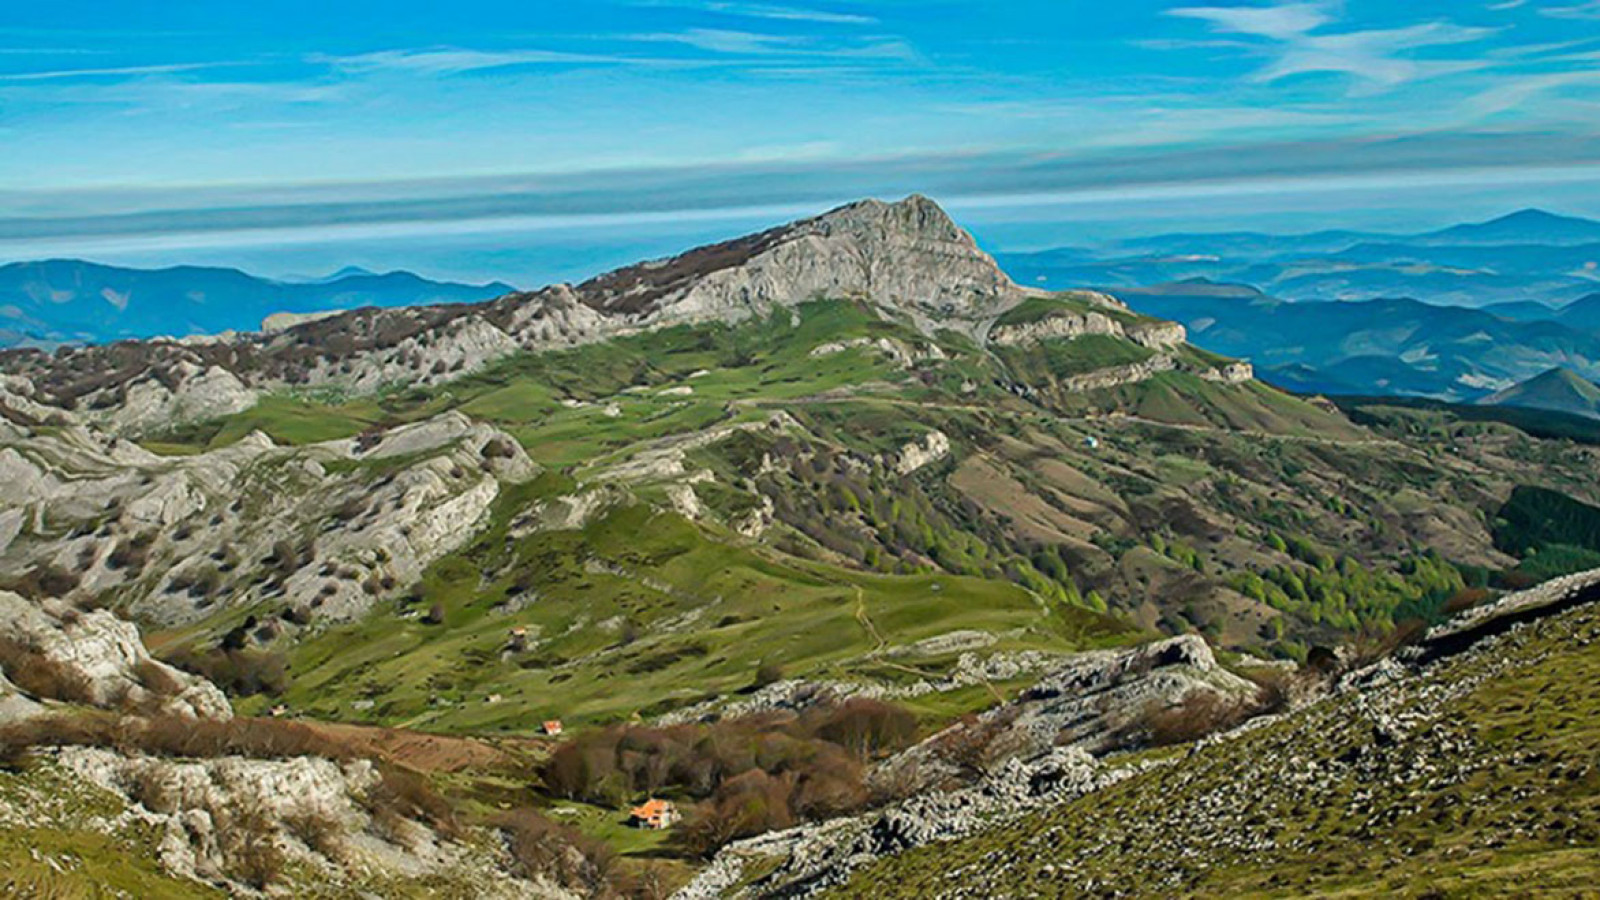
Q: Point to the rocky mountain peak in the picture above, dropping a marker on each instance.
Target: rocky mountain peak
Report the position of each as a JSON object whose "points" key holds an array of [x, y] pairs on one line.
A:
{"points": [[916, 218], [908, 254]]}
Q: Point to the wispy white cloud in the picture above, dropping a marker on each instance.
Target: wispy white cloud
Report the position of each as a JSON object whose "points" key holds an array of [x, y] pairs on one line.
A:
{"points": [[1586, 10], [1301, 43], [778, 12], [1516, 93], [1541, 52], [1376, 56], [1189, 44], [48, 51], [157, 94], [718, 40], [1280, 23], [112, 71], [789, 13], [761, 45], [454, 61]]}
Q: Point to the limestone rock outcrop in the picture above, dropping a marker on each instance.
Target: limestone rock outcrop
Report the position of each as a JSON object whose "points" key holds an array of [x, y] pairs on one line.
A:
{"points": [[102, 658], [175, 535]]}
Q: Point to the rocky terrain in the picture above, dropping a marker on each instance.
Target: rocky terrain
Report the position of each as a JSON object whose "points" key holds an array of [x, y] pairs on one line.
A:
{"points": [[1037, 752], [1469, 768], [288, 813], [91, 658], [323, 530], [261, 490]]}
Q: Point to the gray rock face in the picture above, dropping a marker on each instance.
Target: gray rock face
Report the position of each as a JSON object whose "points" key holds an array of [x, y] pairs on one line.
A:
{"points": [[1232, 373], [185, 393], [815, 858], [933, 446], [16, 705], [908, 255], [1066, 325], [1390, 743], [1545, 599], [1133, 373], [335, 526], [107, 657], [1090, 701]]}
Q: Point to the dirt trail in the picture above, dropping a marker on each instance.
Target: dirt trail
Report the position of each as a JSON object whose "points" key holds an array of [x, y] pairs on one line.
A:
{"points": [[426, 752], [880, 644]]}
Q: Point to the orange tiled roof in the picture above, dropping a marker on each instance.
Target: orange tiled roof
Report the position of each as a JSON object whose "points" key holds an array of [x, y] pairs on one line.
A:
{"points": [[652, 809]]}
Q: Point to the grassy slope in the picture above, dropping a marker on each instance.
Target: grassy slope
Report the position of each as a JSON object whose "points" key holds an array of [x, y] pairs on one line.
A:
{"points": [[1417, 414], [1493, 793], [643, 612], [638, 613], [767, 359]]}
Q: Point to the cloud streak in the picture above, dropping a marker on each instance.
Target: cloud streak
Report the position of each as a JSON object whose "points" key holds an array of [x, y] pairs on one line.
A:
{"points": [[1301, 44], [789, 13], [1587, 10], [455, 61], [770, 11], [792, 184], [113, 71], [1280, 23]]}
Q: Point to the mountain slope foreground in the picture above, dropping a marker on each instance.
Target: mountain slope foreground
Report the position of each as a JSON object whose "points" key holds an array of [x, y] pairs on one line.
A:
{"points": [[1470, 771]]}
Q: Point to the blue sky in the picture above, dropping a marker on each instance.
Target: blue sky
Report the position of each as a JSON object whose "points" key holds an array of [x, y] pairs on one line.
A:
{"points": [[522, 140]]}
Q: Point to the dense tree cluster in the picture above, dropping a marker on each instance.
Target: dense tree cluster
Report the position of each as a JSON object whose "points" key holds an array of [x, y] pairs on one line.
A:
{"points": [[1343, 594], [744, 776]]}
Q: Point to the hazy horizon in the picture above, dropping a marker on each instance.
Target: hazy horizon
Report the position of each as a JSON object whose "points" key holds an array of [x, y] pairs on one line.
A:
{"points": [[531, 257]]}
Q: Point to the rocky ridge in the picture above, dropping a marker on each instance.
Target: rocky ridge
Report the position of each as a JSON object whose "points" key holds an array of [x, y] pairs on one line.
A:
{"points": [[908, 258], [325, 530], [1039, 750], [1063, 325], [305, 811], [93, 658]]}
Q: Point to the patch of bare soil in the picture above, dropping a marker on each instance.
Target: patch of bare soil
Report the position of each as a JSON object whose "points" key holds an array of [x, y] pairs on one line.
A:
{"points": [[425, 752]]}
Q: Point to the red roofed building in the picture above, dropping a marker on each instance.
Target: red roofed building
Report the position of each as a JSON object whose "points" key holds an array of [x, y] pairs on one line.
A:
{"points": [[654, 814]]}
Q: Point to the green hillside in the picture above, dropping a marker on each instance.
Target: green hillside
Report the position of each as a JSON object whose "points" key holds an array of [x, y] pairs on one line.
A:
{"points": [[1165, 502], [1477, 780], [641, 613]]}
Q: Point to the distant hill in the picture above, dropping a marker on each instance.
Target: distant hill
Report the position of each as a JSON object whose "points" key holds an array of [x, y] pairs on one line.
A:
{"points": [[1558, 390], [1396, 347], [1528, 226], [72, 301], [1583, 313], [1523, 311]]}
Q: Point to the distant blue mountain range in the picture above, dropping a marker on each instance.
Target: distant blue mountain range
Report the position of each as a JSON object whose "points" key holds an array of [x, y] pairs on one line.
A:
{"points": [[1529, 256], [71, 301], [1376, 347]]}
